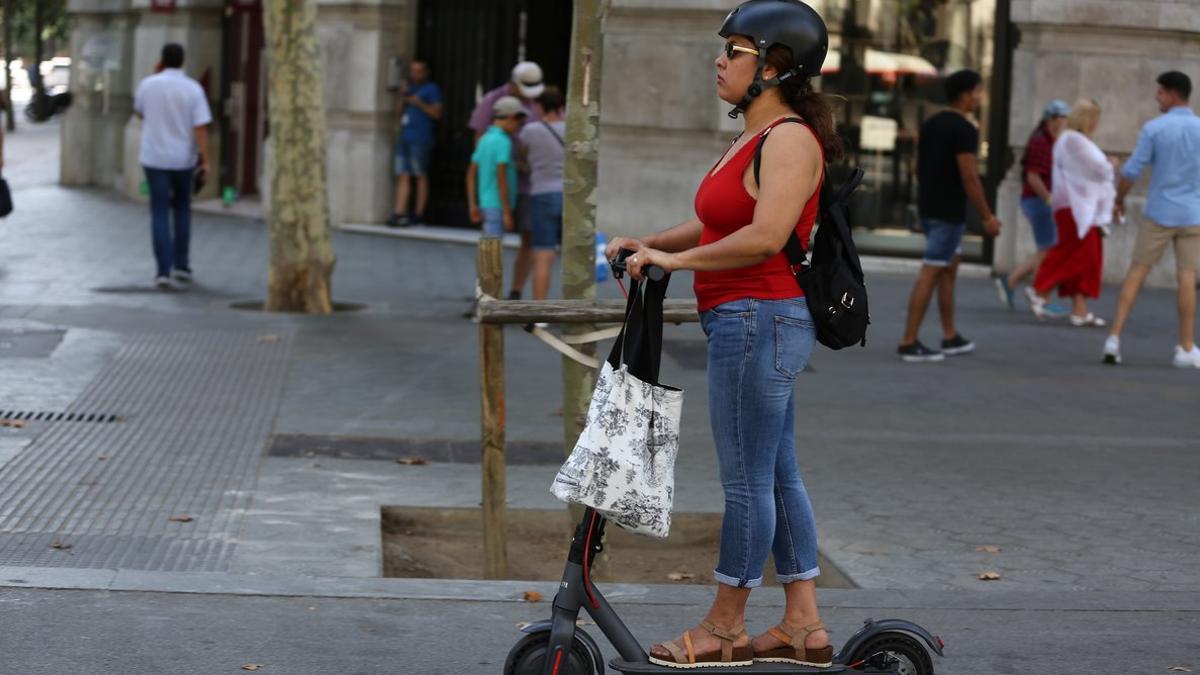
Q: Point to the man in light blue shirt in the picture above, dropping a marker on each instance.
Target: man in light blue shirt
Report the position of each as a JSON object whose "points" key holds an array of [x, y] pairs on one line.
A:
{"points": [[1170, 144]]}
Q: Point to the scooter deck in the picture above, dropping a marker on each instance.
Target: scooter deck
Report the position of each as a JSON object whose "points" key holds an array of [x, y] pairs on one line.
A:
{"points": [[758, 669]]}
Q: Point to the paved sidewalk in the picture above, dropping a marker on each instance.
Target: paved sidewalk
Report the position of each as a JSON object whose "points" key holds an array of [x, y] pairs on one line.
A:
{"points": [[1083, 476]]}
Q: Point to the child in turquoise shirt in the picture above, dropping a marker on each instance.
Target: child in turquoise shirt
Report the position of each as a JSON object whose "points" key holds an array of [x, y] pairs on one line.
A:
{"points": [[492, 177]]}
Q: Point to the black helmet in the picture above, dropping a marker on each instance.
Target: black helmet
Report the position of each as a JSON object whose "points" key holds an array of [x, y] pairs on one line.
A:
{"points": [[789, 23]]}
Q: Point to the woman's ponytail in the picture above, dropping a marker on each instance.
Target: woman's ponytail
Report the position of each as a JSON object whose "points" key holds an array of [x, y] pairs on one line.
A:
{"points": [[811, 105]]}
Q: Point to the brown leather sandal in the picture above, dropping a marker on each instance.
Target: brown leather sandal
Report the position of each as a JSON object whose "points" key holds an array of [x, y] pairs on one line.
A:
{"points": [[685, 655], [794, 650]]}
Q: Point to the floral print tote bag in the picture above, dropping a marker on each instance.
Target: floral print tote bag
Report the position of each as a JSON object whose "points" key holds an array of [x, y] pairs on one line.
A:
{"points": [[623, 464]]}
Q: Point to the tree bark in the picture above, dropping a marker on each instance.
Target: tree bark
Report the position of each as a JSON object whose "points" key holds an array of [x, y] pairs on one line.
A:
{"points": [[582, 140], [302, 256]]}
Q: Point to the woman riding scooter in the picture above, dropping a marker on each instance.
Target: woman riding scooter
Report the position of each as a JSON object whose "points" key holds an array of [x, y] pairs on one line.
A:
{"points": [[760, 333]]}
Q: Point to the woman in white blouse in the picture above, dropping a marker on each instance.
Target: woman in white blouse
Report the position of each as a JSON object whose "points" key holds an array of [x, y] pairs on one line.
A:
{"points": [[1082, 196]]}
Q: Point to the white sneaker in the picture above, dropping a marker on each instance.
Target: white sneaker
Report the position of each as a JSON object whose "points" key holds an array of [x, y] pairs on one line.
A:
{"points": [[162, 283], [1112, 350], [1186, 359]]}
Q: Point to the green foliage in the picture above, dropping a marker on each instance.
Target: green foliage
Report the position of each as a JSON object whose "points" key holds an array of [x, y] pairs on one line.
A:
{"points": [[56, 26]]}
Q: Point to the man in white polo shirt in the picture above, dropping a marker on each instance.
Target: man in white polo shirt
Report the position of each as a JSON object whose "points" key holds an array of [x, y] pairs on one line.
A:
{"points": [[175, 118]]}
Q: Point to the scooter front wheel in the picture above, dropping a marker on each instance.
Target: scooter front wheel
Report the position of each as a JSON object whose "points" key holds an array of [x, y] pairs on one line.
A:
{"points": [[907, 655], [528, 657]]}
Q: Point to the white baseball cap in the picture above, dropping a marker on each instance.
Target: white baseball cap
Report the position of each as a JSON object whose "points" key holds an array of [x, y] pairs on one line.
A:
{"points": [[527, 75], [507, 106]]}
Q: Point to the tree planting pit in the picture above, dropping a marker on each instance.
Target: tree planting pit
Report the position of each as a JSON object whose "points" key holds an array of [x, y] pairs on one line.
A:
{"points": [[447, 543]]}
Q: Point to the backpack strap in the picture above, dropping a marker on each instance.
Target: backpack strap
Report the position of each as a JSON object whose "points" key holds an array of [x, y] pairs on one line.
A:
{"points": [[553, 132], [793, 248]]}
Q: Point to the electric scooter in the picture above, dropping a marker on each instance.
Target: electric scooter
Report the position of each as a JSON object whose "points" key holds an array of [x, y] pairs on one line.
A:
{"points": [[558, 647]]}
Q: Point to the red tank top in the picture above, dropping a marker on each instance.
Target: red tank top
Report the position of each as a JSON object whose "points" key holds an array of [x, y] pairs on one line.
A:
{"points": [[724, 206]]}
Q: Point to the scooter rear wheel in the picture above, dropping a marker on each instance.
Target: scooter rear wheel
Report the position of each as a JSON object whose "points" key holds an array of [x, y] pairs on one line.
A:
{"points": [[913, 658], [528, 657]]}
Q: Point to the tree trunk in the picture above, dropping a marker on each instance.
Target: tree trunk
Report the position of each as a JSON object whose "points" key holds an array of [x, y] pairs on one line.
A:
{"points": [[298, 215], [582, 142], [10, 121]]}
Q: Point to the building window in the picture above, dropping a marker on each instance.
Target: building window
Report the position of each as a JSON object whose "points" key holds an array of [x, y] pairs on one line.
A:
{"points": [[887, 62]]}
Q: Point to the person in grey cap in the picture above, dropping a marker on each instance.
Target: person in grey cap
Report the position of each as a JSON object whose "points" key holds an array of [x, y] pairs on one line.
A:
{"points": [[526, 86], [1035, 200], [492, 176]]}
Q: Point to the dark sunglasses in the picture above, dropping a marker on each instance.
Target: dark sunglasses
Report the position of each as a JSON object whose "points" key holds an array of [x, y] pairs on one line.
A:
{"points": [[732, 50]]}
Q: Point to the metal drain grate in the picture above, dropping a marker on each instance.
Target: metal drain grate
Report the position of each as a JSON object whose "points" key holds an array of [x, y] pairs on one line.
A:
{"points": [[32, 416]]}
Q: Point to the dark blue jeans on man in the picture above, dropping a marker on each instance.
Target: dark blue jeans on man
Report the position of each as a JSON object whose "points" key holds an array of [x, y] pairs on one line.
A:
{"points": [[170, 193]]}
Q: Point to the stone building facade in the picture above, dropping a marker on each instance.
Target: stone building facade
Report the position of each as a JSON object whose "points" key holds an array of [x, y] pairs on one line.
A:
{"points": [[662, 125]]}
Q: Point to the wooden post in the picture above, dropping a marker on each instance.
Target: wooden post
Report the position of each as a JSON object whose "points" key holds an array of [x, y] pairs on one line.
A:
{"points": [[579, 203], [490, 271]]}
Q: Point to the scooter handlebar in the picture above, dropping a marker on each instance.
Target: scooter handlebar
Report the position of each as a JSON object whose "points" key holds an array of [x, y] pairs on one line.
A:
{"points": [[652, 272]]}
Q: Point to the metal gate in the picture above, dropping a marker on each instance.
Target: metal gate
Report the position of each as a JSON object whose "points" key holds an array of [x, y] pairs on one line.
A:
{"points": [[471, 47]]}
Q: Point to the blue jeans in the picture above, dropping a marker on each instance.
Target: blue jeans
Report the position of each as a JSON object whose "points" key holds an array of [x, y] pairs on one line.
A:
{"points": [[411, 156], [170, 192], [493, 222], [943, 241], [755, 350], [1041, 219], [545, 220]]}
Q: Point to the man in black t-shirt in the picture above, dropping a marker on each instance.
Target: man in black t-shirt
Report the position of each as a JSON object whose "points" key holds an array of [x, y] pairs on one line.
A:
{"points": [[947, 175]]}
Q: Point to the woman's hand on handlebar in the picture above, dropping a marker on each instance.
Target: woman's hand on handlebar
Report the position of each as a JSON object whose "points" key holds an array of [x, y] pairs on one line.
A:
{"points": [[618, 243], [635, 263]]}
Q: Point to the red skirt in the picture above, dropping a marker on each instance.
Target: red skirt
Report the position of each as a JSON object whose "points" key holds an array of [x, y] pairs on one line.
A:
{"points": [[1074, 265]]}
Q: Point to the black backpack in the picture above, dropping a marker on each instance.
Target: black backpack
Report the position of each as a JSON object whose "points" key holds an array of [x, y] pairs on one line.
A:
{"points": [[833, 281]]}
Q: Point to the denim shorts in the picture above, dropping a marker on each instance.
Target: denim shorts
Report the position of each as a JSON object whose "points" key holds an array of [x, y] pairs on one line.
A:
{"points": [[493, 222], [756, 348], [943, 241], [1041, 219], [545, 220], [412, 157]]}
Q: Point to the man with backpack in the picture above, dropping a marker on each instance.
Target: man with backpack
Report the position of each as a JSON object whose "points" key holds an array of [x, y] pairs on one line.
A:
{"points": [[545, 153], [948, 175]]}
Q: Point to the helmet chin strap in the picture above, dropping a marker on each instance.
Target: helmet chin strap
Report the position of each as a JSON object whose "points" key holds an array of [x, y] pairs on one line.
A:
{"points": [[759, 85]]}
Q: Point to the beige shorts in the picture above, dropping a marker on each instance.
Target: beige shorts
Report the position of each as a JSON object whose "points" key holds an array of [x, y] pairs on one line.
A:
{"points": [[1152, 240]]}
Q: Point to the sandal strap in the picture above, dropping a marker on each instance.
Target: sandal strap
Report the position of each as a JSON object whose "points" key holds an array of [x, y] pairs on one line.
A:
{"points": [[725, 635], [795, 633], [691, 651]]}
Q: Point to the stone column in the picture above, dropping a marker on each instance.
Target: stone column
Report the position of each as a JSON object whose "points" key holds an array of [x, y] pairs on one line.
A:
{"points": [[358, 42], [1109, 51], [197, 25], [101, 87], [662, 125]]}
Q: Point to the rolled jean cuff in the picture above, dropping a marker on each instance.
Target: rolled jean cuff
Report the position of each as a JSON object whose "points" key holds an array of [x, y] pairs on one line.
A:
{"points": [[736, 582], [803, 576]]}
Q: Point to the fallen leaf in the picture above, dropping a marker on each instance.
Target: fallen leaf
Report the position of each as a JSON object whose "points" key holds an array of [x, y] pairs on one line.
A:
{"points": [[59, 545], [412, 461], [531, 596], [180, 519], [987, 549], [989, 576], [681, 576], [267, 338], [12, 424], [252, 666], [1179, 669]]}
